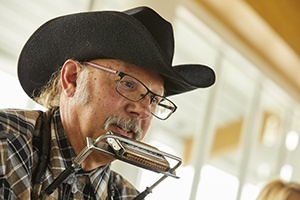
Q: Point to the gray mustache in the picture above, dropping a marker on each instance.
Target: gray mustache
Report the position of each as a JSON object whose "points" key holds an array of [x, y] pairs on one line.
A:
{"points": [[132, 125]]}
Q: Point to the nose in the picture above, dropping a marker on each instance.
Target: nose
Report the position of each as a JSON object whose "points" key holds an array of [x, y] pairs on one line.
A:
{"points": [[140, 109]]}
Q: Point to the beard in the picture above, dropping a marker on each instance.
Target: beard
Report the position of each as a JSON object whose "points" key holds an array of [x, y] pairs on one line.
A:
{"points": [[82, 95]]}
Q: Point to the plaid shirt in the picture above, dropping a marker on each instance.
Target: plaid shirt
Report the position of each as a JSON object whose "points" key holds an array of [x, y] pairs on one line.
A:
{"points": [[19, 155]]}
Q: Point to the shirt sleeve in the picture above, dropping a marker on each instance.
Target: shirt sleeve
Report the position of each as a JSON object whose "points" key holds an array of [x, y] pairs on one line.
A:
{"points": [[15, 167]]}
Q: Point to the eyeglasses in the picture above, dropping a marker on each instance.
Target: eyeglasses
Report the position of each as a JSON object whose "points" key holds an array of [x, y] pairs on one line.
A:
{"points": [[134, 90]]}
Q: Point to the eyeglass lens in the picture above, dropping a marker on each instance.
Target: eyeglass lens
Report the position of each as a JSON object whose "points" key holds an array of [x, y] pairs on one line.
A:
{"points": [[134, 90]]}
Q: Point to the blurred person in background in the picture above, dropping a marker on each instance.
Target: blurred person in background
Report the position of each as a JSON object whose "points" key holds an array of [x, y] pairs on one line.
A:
{"points": [[280, 190]]}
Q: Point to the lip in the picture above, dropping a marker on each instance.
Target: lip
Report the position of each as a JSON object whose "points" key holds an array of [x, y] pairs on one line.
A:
{"points": [[117, 130]]}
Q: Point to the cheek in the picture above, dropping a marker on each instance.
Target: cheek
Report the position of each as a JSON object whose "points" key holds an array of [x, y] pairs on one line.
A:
{"points": [[145, 126], [101, 90], [106, 98]]}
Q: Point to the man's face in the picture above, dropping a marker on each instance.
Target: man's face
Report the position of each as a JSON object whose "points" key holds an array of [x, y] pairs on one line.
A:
{"points": [[104, 109]]}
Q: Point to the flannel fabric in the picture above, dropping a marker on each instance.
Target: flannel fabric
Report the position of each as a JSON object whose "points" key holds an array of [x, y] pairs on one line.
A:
{"points": [[20, 132]]}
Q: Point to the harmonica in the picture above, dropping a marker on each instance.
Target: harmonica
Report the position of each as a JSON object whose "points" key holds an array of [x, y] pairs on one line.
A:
{"points": [[136, 153], [139, 154]]}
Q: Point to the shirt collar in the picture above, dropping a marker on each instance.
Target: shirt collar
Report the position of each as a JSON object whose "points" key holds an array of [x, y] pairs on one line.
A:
{"points": [[61, 152], [62, 155]]}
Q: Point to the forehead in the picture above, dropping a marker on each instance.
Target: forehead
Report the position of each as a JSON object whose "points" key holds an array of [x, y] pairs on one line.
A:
{"points": [[151, 79]]}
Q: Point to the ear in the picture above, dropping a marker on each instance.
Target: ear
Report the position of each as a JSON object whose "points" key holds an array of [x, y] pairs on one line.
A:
{"points": [[69, 74]]}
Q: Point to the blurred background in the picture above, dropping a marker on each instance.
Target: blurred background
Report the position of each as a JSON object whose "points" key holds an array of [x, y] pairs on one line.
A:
{"points": [[232, 137]]}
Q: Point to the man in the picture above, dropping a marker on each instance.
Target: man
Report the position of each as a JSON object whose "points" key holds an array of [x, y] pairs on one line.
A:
{"points": [[95, 72]]}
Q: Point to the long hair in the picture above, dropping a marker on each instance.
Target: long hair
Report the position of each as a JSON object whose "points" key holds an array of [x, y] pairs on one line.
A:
{"points": [[50, 94]]}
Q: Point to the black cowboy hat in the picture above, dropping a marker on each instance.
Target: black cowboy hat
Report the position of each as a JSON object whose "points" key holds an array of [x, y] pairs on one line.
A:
{"points": [[138, 36]]}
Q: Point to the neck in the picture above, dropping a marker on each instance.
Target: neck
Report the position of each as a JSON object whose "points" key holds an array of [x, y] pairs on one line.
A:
{"points": [[95, 160]]}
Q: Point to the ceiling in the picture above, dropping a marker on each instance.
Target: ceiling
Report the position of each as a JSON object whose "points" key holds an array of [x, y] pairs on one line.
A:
{"points": [[265, 31], [283, 17]]}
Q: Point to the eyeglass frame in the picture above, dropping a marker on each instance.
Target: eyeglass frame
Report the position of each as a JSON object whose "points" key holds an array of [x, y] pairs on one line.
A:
{"points": [[121, 75]]}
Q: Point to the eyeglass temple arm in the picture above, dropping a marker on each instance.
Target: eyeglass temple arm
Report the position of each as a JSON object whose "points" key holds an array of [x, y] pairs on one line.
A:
{"points": [[97, 66]]}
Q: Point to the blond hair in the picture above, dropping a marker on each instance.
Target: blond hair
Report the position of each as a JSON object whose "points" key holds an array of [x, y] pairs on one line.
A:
{"points": [[50, 93], [278, 190]]}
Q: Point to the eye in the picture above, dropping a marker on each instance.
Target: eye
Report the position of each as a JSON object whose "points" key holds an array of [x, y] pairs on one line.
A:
{"points": [[154, 100], [128, 85]]}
